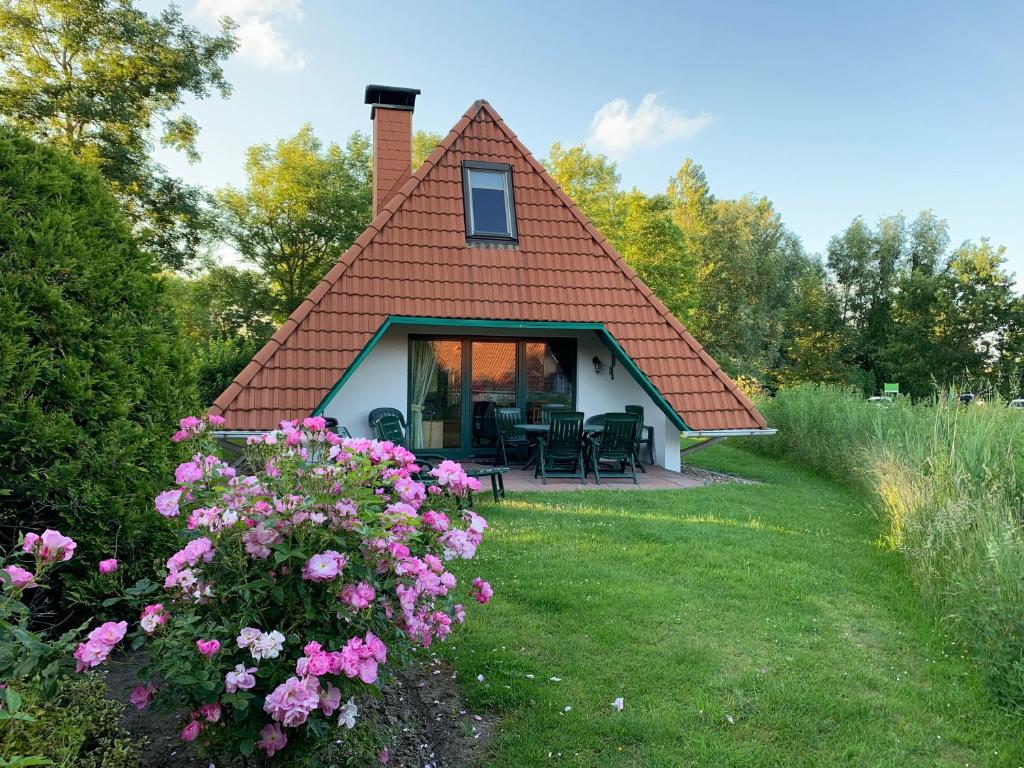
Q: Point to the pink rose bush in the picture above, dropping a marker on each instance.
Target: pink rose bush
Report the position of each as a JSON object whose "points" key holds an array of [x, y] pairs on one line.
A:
{"points": [[297, 587]]}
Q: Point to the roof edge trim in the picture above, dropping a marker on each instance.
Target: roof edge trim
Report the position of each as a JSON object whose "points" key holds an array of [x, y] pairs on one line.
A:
{"points": [[598, 328]]}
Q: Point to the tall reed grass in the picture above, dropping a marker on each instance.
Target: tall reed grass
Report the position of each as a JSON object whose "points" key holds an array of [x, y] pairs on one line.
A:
{"points": [[949, 480]]}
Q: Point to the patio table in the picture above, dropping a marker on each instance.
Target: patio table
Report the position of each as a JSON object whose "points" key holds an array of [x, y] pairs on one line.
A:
{"points": [[542, 429]]}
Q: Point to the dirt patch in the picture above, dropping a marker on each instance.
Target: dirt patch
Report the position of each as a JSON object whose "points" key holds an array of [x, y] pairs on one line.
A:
{"points": [[422, 710]]}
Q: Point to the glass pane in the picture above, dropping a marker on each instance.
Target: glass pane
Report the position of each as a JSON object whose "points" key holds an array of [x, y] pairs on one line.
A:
{"points": [[489, 203], [494, 386], [550, 375], [435, 394]]}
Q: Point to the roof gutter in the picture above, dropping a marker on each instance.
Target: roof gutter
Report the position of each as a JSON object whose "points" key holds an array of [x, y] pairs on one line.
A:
{"points": [[729, 432]]}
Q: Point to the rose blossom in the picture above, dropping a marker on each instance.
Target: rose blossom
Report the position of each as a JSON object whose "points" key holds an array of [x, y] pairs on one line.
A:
{"points": [[191, 731], [109, 633], [167, 503], [208, 647], [153, 616], [211, 712], [50, 547], [273, 739], [140, 695], [358, 596], [324, 566], [241, 678], [108, 566], [482, 591], [20, 578]]}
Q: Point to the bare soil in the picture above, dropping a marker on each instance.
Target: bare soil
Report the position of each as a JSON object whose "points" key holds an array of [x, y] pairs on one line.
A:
{"points": [[422, 711]]}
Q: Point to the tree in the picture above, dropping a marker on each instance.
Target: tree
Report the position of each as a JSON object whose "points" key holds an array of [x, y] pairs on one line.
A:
{"points": [[652, 245], [226, 317], [423, 143], [816, 340], [592, 181], [99, 78], [93, 373], [303, 206]]}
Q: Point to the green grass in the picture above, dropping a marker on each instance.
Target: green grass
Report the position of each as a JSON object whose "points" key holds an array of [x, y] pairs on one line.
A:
{"points": [[774, 604]]}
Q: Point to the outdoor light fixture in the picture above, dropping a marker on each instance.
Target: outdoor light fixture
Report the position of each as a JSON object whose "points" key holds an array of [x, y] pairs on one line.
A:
{"points": [[598, 365]]}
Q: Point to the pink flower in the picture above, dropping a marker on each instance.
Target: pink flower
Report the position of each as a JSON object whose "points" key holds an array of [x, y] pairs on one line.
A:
{"points": [[211, 712], [167, 503], [188, 472], [208, 647], [460, 613], [273, 739], [324, 566], [482, 591], [359, 596], [109, 633], [215, 420], [315, 423], [51, 547], [90, 654], [384, 755], [437, 521], [330, 700], [240, 679], [152, 617], [108, 566], [191, 731], [20, 578], [293, 700], [140, 695]]}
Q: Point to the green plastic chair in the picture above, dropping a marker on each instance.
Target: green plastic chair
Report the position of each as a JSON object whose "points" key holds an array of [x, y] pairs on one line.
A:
{"points": [[641, 436], [561, 447], [510, 438], [549, 408], [615, 445], [390, 428]]}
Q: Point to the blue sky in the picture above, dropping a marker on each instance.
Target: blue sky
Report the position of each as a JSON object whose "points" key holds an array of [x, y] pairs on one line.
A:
{"points": [[830, 109]]}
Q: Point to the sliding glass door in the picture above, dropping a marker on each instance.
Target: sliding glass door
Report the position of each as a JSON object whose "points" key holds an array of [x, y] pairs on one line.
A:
{"points": [[455, 385]]}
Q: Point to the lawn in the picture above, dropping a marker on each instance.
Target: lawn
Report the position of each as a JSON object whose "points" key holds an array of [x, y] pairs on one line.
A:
{"points": [[742, 624]]}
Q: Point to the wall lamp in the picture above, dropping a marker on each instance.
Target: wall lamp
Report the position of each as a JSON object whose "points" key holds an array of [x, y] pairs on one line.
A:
{"points": [[598, 365]]}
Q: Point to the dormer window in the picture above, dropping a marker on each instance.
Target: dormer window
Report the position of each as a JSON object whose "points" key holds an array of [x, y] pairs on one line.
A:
{"points": [[489, 202]]}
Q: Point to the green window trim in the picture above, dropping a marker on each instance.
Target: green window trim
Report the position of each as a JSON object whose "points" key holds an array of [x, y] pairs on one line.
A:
{"points": [[620, 354]]}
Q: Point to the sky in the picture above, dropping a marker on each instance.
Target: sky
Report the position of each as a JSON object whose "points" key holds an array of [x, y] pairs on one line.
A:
{"points": [[830, 109]]}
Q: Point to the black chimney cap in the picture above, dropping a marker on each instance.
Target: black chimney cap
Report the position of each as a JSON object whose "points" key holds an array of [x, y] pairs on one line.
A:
{"points": [[390, 97]]}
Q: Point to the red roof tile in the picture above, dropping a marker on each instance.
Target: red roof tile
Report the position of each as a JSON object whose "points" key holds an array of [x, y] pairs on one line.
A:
{"points": [[413, 260]]}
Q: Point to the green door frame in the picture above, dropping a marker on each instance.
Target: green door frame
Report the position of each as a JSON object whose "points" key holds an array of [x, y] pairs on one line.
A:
{"points": [[598, 328], [466, 370]]}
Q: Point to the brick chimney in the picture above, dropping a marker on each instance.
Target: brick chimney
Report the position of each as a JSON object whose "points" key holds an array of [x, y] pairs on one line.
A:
{"points": [[391, 112]]}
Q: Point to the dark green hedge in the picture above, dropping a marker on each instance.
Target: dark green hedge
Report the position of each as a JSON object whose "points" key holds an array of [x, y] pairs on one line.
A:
{"points": [[93, 374]]}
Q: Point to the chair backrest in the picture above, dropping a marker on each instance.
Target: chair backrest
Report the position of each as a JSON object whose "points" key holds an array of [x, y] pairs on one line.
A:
{"points": [[377, 413], [595, 421], [390, 428], [638, 410], [506, 419], [549, 408], [332, 424], [618, 435], [565, 431]]}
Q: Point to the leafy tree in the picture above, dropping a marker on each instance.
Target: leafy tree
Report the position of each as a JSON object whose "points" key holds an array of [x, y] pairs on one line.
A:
{"points": [[816, 340], [226, 317], [99, 78], [303, 206], [423, 143], [592, 181], [93, 374], [652, 245]]}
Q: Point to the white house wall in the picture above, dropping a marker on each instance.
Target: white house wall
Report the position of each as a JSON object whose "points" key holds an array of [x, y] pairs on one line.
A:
{"points": [[382, 380]]}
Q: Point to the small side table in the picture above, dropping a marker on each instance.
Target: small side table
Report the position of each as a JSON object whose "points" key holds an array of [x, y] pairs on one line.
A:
{"points": [[495, 473]]}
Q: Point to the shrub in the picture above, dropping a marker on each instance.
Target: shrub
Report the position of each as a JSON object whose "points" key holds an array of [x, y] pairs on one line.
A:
{"points": [[299, 587], [74, 727], [48, 716], [91, 368], [949, 480]]}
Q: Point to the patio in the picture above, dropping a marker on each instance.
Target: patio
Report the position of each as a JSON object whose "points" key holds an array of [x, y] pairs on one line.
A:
{"points": [[655, 479]]}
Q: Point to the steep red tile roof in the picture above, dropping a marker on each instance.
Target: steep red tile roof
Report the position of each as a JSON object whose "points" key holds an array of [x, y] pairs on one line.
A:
{"points": [[413, 260]]}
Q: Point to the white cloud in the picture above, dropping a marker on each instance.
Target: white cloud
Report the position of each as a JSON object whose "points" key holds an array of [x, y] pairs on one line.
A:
{"points": [[259, 41], [617, 130]]}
